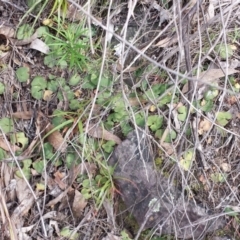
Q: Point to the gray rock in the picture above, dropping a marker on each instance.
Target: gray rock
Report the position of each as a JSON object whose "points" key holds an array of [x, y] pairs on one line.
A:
{"points": [[151, 198]]}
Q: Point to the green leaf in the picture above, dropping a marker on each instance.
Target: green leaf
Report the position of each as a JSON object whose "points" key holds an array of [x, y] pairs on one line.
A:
{"points": [[211, 94], [86, 193], [154, 122], [230, 212], [70, 159], [187, 159], [6, 124], [155, 91], [86, 183], [140, 119], [26, 173], [206, 106], [42, 31], [108, 146], [22, 74], [2, 154], [68, 93], [182, 113], [2, 88], [62, 64], [52, 85], [124, 236], [27, 163], [74, 104], [50, 61], [170, 137], [39, 166], [37, 86], [218, 177], [20, 139], [24, 32], [56, 121], [223, 118], [225, 51], [159, 133], [74, 80], [67, 233], [26, 169], [48, 150]]}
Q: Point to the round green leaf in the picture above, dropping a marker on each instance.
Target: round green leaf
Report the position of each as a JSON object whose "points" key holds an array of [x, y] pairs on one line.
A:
{"points": [[182, 113], [155, 122], [108, 146], [22, 74], [37, 86], [218, 177], [38, 166], [74, 80], [70, 159], [6, 124], [170, 137], [224, 51], [24, 32], [20, 139], [210, 94], [74, 104], [223, 118]]}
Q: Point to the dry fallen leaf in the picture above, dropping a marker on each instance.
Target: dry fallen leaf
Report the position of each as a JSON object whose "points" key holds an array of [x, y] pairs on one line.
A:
{"points": [[204, 126], [79, 203], [226, 167], [213, 74], [25, 201], [56, 139], [168, 148], [39, 45], [7, 145], [166, 42], [47, 95], [7, 31], [58, 176], [23, 115], [210, 12], [100, 132]]}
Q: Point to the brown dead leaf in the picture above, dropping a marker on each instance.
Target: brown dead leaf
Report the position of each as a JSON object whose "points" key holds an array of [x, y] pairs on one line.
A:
{"points": [[56, 139], [204, 126], [213, 74], [231, 100], [100, 132], [23, 115], [66, 200], [47, 95], [9, 183], [25, 201], [168, 148], [202, 179], [79, 203], [166, 42], [7, 146], [226, 167], [74, 14], [7, 31], [58, 179], [59, 197]]}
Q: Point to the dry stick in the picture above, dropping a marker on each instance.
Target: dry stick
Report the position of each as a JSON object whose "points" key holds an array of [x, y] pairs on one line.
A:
{"points": [[191, 84]]}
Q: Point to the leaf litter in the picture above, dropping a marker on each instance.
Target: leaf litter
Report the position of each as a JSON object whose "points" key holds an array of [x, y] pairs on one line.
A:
{"points": [[40, 109]]}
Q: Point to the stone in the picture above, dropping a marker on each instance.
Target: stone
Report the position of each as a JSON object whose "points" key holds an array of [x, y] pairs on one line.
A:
{"points": [[151, 198]]}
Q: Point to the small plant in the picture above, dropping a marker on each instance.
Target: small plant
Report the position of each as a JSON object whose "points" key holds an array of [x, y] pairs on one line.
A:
{"points": [[101, 186], [68, 48]]}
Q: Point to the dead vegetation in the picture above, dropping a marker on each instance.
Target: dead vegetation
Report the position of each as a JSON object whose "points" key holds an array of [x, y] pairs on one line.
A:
{"points": [[76, 77]]}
